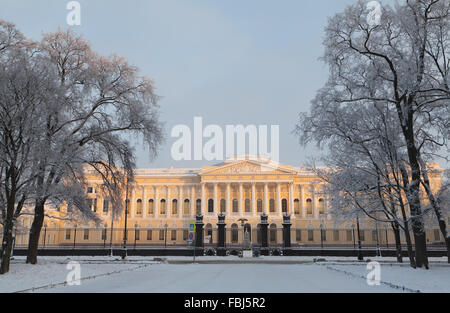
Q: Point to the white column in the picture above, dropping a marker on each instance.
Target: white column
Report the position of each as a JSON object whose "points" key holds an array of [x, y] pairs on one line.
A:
{"points": [[168, 202], [216, 204], [291, 199], [254, 199], [144, 202], [133, 203], [193, 202], [156, 204], [302, 201], [266, 198], [315, 209], [241, 193], [279, 200], [180, 201], [204, 199], [229, 202]]}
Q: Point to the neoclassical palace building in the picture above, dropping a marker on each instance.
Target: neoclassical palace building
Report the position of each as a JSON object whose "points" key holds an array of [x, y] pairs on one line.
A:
{"points": [[164, 201]]}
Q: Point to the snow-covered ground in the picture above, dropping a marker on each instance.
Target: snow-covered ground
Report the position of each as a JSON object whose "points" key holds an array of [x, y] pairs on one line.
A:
{"points": [[219, 275]]}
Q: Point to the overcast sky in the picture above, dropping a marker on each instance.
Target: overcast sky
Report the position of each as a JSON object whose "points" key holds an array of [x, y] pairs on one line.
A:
{"points": [[228, 61]]}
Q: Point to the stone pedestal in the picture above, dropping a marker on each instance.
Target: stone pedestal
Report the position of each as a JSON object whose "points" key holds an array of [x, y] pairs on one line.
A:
{"points": [[199, 231], [264, 236], [221, 251], [287, 231]]}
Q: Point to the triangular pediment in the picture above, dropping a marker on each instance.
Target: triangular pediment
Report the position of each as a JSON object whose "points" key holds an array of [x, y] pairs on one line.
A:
{"points": [[247, 167]]}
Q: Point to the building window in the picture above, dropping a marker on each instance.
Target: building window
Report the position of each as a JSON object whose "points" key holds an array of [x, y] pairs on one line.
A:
{"points": [[362, 235], [104, 232], [86, 234], [149, 234], [437, 235], [336, 235], [90, 190], [174, 207], [235, 206], [349, 235], [161, 235], [374, 235], [297, 207], [284, 206], [298, 235], [310, 235], [173, 235], [223, 204], [273, 233], [105, 206], [139, 207], [234, 233], [68, 234], [309, 208], [162, 207], [187, 209], [198, 206], [321, 206], [210, 206], [151, 207], [272, 206], [185, 235], [247, 206], [137, 234], [259, 206]]}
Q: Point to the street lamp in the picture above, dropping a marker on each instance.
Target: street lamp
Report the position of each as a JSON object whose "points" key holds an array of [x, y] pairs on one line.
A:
{"points": [[360, 256], [124, 254]]}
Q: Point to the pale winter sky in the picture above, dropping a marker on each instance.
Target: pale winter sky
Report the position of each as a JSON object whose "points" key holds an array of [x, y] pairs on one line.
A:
{"points": [[229, 62]]}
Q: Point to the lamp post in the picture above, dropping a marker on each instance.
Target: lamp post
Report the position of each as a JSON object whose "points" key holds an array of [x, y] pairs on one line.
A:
{"points": [[360, 256], [124, 254]]}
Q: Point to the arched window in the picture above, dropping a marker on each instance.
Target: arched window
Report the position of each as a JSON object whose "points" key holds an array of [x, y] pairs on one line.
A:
{"points": [[198, 206], [259, 205], [273, 233], [309, 208], [162, 207], [247, 206], [223, 204], [139, 207], [151, 207], [174, 207], [297, 206], [127, 206], [186, 207], [284, 206], [235, 206], [321, 206], [210, 206], [234, 233], [272, 206]]}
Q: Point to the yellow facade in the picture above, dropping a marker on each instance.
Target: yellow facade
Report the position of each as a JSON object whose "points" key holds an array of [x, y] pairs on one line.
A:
{"points": [[164, 201]]}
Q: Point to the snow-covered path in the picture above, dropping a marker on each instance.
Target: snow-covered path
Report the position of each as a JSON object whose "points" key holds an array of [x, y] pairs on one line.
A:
{"points": [[227, 278]]}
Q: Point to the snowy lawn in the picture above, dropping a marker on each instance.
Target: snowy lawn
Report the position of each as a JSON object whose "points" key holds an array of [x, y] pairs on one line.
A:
{"points": [[142, 274]]}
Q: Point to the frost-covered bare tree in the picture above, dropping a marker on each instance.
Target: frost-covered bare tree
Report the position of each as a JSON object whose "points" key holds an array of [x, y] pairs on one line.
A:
{"points": [[403, 62], [101, 100], [363, 175], [25, 85]]}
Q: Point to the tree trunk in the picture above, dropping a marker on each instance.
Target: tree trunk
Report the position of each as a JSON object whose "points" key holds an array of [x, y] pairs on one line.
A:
{"points": [[35, 232], [398, 243], [7, 244]]}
